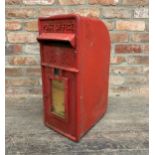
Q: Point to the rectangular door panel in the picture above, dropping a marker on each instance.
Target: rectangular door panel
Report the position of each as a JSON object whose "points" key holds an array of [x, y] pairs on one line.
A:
{"points": [[60, 99]]}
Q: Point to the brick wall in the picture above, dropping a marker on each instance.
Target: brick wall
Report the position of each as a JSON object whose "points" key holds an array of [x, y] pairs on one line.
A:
{"points": [[127, 21]]}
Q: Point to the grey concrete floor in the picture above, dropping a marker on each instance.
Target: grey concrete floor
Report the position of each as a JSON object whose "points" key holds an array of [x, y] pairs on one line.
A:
{"points": [[122, 131]]}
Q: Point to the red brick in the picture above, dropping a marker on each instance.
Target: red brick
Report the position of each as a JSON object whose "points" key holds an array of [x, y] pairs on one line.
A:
{"points": [[116, 80], [71, 2], [13, 49], [26, 72], [146, 48], [128, 48], [31, 49], [129, 90], [147, 25], [140, 37], [103, 2], [22, 82], [20, 13], [41, 2], [119, 37], [22, 60], [88, 12], [12, 2], [137, 60], [117, 60], [141, 13], [21, 37], [141, 91], [135, 2], [51, 11], [91, 12], [13, 25], [31, 26], [109, 23], [14, 72], [23, 90], [115, 12], [136, 80], [146, 69], [34, 72], [130, 25], [129, 70]]}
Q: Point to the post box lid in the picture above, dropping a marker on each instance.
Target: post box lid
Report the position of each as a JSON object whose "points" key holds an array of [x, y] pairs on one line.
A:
{"points": [[69, 37]]}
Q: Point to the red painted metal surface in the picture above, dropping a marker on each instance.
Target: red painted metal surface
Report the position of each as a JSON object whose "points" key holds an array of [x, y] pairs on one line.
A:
{"points": [[79, 49]]}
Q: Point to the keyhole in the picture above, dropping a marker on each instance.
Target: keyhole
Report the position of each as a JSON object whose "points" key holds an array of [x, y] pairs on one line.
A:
{"points": [[56, 72]]}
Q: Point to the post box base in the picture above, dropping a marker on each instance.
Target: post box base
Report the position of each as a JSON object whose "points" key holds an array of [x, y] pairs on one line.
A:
{"points": [[97, 120], [75, 139], [62, 133]]}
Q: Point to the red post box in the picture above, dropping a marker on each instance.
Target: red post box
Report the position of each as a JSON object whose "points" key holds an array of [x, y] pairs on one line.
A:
{"points": [[75, 54]]}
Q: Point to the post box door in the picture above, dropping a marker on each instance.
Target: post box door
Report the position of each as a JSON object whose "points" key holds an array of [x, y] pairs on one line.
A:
{"points": [[59, 93]]}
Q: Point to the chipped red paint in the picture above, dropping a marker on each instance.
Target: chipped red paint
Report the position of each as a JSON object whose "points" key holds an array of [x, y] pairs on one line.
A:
{"points": [[80, 48]]}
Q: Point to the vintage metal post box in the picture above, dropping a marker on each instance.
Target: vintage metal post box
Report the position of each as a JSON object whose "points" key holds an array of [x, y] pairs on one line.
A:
{"points": [[75, 55]]}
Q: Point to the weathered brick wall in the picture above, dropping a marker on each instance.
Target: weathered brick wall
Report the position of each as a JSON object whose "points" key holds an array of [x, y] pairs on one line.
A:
{"points": [[127, 21]]}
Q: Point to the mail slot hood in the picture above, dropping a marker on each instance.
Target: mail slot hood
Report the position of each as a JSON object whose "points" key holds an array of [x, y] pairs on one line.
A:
{"points": [[58, 37]]}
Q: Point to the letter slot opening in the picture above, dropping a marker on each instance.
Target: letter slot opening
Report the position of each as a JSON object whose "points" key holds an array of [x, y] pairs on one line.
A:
{"points": [[60, 37]]}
